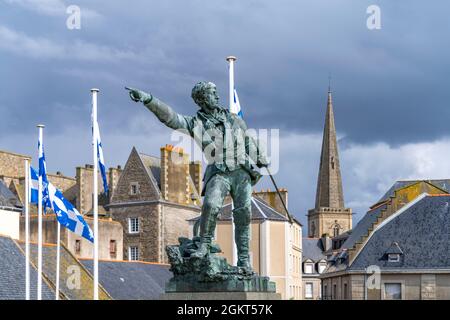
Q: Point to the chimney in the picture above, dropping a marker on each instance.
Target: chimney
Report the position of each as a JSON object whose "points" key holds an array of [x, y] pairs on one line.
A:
{"points": [[175, 173], [273, 199], [326, 242], [113, 179], [195, 170]]}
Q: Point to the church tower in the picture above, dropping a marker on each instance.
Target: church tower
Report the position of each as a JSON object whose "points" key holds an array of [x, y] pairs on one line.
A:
{"points": [[329, 215]]}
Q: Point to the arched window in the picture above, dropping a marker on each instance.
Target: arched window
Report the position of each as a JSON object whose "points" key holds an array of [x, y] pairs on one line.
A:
{"points": [[336, 229]]}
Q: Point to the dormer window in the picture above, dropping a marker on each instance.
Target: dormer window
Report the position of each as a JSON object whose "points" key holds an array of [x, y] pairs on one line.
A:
{"points": [[321, 266], [394, 257], [394, 252], [309, 267]]}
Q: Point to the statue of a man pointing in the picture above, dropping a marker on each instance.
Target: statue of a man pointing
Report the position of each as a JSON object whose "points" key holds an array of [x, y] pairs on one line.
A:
{"points": [[231, 156]]}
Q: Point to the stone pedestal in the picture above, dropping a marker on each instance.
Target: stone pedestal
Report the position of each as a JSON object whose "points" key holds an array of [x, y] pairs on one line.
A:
{"points": [[221, 296], [211, 277]]}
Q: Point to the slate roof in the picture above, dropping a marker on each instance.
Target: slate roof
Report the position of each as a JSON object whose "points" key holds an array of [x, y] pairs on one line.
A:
{"points": [[312, 249], [394, 249], [8, 199], [261, 210], [441, 183], [362, 227], [132, 280], [12, 274], [152, 165], [422, 233], [67, 262]]}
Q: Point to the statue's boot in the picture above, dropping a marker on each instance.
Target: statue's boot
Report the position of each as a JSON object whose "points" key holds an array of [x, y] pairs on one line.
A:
{"points": [[242, 244], [203, 249]]}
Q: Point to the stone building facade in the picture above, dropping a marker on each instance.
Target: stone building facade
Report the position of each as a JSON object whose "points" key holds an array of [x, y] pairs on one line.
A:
{"points": [[82, 195], [153, 200], [110, 237], [12, 166]]}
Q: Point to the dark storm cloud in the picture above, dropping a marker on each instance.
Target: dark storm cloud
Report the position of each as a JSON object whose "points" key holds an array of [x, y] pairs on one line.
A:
{"points": [[385, 82], [389, 85]]}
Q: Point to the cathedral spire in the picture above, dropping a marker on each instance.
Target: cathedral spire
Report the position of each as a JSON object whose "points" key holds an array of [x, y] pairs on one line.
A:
{"points": [[329, 185]]}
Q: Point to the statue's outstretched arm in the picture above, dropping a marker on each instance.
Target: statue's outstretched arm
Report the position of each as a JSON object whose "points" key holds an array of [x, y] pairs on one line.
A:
{"points": [[162, 111]]}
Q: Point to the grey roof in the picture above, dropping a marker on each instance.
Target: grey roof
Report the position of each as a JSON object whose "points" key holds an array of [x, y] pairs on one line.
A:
{"points": [[153, 166], [422, 233], [441, 183], [312, 249], [12, 275], [7, 198], [261, 210], [394, 249], [127, 280], [362, 227], [85, 291]]}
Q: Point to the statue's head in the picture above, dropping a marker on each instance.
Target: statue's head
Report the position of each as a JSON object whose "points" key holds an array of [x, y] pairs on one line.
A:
{"points": [[205, 96]]}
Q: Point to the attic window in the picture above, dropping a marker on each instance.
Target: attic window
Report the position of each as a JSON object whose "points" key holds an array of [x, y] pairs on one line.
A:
{"points": [[309, 267], [394, 257], [393, 252], [134, 188], [322, 266]]}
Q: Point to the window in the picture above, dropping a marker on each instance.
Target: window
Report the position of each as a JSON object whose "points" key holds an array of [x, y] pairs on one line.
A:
{"points": [[134, 188], [325, 292], [77, 246], [133, 225], [393, 257], [334, 292], [393, 291], [112, 248], [309, 290], [336, 230], [322, 266], [133, 253], [345, 292], [309, 267]]}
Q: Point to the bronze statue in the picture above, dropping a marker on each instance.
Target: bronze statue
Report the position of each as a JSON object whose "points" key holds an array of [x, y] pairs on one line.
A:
{"points": [[231, 155]]}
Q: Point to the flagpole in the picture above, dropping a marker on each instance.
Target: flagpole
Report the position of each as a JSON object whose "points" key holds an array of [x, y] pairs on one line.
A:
{"points": [[27, 230], [231, 60], [58, 257], [95, 189], [39, 275]]}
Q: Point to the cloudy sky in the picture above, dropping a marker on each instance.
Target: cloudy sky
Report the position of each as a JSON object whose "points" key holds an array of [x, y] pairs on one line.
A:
{"points": [[390, 86]]}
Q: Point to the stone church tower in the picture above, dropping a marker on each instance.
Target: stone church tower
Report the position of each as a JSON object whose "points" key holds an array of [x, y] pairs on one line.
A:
{"points": [[329, 215]]}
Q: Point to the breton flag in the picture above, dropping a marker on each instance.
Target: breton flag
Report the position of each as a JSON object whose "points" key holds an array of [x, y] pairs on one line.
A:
{"points": [[43, 173], [101, 160], [67, 215], [236, 106], [34, 185]]}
